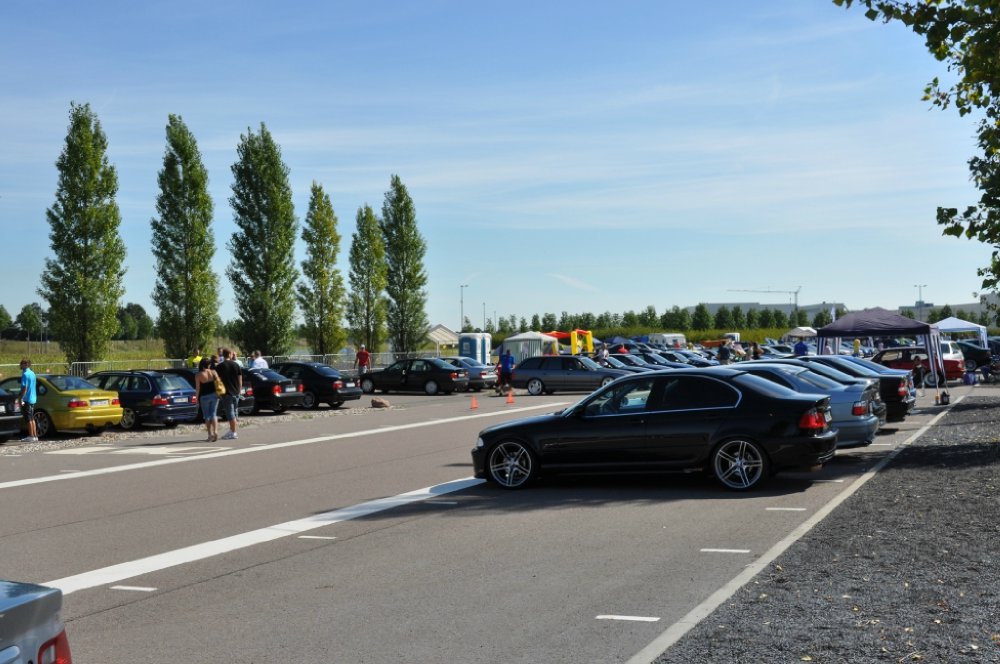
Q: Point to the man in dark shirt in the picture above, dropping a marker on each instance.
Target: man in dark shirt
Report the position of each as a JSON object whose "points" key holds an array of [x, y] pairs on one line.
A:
{"points": [[232, 378]]}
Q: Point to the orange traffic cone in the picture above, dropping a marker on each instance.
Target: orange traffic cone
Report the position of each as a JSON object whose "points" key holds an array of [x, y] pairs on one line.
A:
{"points": [[475, 404], [510, 395]]}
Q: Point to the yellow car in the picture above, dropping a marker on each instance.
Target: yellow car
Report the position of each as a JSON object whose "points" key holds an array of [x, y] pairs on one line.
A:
{"points": [[68, 402]]}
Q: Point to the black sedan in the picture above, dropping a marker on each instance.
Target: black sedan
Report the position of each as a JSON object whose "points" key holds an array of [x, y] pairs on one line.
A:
{"points": [[246, 401], [739, 427], [322, 383], [272, 391], [894, 384], [429, 375], [10, 415]]}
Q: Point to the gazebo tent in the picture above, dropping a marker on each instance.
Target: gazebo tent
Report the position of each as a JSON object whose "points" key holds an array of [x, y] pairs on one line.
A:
{"points": [[529, 344], [878, 322], [953, 324], [801, 332]]}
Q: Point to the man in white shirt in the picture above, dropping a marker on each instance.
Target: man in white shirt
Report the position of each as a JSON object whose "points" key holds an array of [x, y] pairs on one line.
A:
{"points": [[258, 361]]}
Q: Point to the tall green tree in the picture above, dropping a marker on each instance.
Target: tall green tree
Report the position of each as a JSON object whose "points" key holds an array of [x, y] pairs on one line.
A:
{"points": [[5, 320], [31, 320], [366, 304], [723, 319], [966, 35], [186, 291], [701, 319], [262, 270], [321, 293], [407, 279], [83, 282]]}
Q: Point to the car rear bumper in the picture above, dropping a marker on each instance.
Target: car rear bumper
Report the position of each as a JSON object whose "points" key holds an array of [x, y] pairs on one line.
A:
{"points": [[860, 432], [82, 419], [896, 411], [171, 414], [804, 452], [347, 394]]}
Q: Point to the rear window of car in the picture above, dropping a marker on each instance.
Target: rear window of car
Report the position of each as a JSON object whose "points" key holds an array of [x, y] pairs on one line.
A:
{"points": [[267, 374], [530, 363], [63, 383], [324, 370], [172, 382], [763, 385]]}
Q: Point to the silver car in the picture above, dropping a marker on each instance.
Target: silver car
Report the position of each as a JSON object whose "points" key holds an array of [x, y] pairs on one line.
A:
{"points": [[546, 374], [481, 376]]}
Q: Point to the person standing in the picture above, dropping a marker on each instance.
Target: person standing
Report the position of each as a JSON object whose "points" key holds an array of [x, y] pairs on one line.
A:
{"points": [[231, 376], [801, 348], [28, 396], [506, 370], [258, 361], [857, 347], [208, 400], [725, 354], [756, 352], [194, 359], [362, 361]]}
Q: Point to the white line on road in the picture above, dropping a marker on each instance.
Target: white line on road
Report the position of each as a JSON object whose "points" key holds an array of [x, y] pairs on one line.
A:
{"points": [[785, 509], [195, 552], [725, 550], [320, 537], [249, 450], [632, 618], [138, 589]]}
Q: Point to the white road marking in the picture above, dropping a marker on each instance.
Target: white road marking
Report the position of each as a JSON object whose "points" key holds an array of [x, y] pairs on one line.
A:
{"points": [[138, 589], [249, 450], [829, 481], [632, 618], [674, 632], [880, 445], [195, 552], [725, 550], [319, 537], [785, 509]]}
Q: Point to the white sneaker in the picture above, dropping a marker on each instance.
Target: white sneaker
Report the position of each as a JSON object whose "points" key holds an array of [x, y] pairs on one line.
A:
{"points": [[230, 436], [29, 439]]}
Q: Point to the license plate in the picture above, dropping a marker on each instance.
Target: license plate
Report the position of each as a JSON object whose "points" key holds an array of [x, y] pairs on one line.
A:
{"points": [[348, 384], [182, 399], [98, 402], [827, 416], [290, 388]]}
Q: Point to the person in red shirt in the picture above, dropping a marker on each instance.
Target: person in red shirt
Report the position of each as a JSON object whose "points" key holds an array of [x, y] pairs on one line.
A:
{"points": [[362, 361]]}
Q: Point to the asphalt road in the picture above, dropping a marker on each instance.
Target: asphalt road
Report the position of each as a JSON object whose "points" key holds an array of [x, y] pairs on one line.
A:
{"points": [[361, 537]]}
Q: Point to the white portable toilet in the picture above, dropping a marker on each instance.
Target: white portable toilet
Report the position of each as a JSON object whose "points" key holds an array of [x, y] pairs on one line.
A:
{"points": [[476, 345]]}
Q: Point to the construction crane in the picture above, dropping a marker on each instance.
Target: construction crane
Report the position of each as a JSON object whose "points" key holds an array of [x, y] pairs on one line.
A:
{"points": [[794, 293]]}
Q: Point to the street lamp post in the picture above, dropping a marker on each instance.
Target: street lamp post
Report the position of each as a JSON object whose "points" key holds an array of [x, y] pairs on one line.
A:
{"points": [[484, 316], [461, 304], [920, 301]]}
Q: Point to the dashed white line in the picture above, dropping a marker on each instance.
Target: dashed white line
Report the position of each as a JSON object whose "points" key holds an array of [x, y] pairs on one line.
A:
{"points": [[319, 537], [785, 509], [725, 550], [631, 618], [137, 589]]}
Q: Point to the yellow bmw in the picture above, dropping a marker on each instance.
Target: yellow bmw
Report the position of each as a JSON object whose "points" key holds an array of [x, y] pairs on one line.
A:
{"points": [[68, 402]]}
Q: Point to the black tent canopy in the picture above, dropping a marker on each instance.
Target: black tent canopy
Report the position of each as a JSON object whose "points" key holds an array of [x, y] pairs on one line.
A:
{"points": [[878, 322]]}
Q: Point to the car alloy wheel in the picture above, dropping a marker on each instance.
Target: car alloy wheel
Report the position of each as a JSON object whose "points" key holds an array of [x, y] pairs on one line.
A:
{"points": [[367, 385], [739, 464], [309, 400], [930, 380], [970, 365], [511, 465], [535, 387], [431, 387], [43, 424], [607, 381], [128, 419]]}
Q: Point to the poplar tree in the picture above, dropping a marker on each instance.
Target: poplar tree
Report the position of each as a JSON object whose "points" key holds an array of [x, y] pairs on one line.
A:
{"points": [[186, 291], [366, 305], [262, 269], [82, 283], [321, 294], [407, 279]]}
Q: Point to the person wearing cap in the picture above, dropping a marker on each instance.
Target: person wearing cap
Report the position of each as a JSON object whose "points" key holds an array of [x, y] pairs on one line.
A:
{"points": [[362, 360]]}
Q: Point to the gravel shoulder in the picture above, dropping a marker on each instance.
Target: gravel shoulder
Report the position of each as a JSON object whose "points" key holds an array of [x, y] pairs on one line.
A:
{"points": [[905, 570]]}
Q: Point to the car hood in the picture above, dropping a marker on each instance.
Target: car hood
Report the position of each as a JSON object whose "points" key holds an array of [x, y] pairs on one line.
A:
{"points": [[499, 429]]}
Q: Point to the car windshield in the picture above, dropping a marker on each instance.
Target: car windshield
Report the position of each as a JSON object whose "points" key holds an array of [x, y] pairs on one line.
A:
{"points": [[63, 383], [614, 362], [589, 363], [818, 380], [267, 374], [324, 370]]}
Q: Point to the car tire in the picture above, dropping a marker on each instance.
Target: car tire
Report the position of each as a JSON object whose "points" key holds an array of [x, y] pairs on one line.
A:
{"points": [[280, 408], [43, 424], [336, 404], [970, 365], [607, 381], [536, 387], [739, 464], [930, 380], [511, 464], [367, 385], [431, 387], [129, 419], [309, 400]]}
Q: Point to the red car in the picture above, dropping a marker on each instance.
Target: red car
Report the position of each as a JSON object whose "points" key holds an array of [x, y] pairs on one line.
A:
{"points": [[915, 358]]}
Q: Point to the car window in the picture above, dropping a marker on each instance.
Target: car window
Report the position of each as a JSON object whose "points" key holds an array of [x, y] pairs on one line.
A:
{"points": [[268, 374], [552, 363], [113, 382], [63, 383], [693, 392], [420, 366], [289, 371], [324, 370], [530, 363], [171, 382], [137, 384], [12, 385], [630, 397]]}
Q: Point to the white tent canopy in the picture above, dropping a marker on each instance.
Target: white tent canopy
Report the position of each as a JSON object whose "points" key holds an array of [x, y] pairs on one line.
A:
{"points": [[953, 324], [801, 332], [529, 344]]}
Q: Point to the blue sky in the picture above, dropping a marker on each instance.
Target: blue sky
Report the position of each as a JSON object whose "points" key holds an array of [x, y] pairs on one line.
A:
{"points": [[562, 156]]}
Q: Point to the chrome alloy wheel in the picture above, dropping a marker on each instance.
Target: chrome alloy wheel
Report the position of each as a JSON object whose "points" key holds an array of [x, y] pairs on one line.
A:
{"points": [[511, 465], [739, 464]]}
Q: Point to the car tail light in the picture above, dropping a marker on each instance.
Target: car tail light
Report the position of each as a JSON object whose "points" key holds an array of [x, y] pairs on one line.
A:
{"points": [[78, 403], [903, 386], [276, 389], [338, 384], [454, 375], [160, 400], [812, 420], [116, 402], [859, 408], [302, 387], [55, 651], [248, 391]]}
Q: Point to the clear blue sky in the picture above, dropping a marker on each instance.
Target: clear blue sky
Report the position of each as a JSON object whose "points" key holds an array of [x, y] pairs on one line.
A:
{"points": [[562, 156]]}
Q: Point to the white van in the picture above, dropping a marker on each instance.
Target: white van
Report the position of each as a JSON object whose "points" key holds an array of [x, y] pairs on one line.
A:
{"points": [[670, 340]]}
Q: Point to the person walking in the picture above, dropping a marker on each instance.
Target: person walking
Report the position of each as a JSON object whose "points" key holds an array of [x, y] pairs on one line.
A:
{"points": [[756, 352], [362, 361], [208, 399], [28, 397], [231, 376], [506, 371], [801, 348]]}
